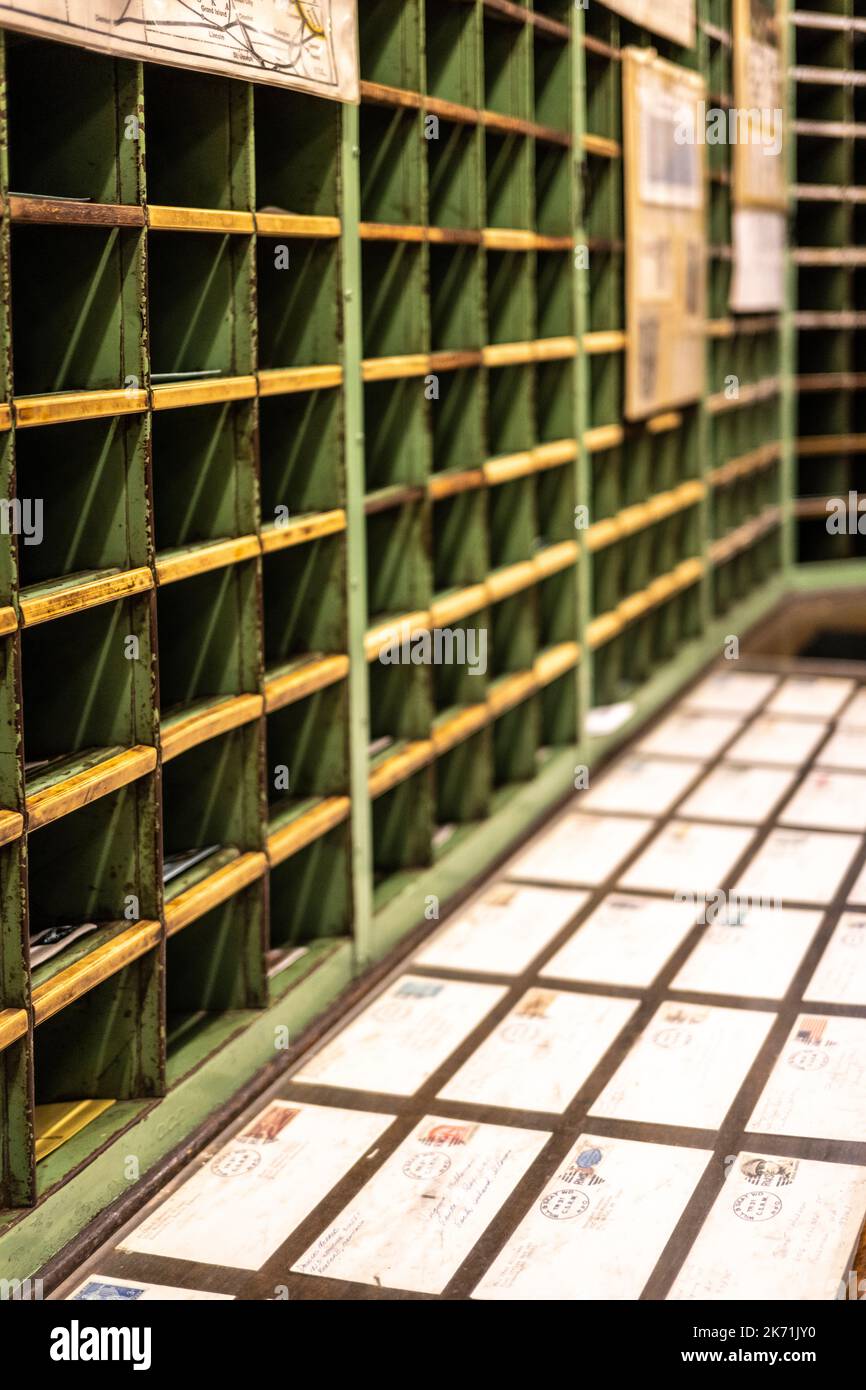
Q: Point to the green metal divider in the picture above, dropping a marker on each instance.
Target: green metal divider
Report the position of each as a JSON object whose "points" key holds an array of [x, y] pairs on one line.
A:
{"points": [[355, 392]]}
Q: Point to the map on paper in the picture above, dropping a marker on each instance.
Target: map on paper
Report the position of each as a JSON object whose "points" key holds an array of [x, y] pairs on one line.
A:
{"points": [[309, 44]]}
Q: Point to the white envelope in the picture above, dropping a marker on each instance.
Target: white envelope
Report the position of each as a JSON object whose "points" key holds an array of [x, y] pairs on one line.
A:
{"points": [[402, 1037], [416, 1220], [781, 1228], [688, 856], [686, 1067], [845, 749], [251, 1194], [542, 1052], [625, 941], [811, 697], [503, 930], [753, 953], [738, 792], [817, 1089], [798, 866], [599, 1226], [731, 692], [858, 890], [691, 734], [778, 741], [828, 800], [580, 849], [640, 785], [840, 976], [853, 716], [107, 1288]]}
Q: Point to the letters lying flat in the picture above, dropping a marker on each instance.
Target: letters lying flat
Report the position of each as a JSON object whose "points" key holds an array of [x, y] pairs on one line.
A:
{"points": [[405, 1035], [250, 1195], [752, 953], [503, 931], [811, 697], [542, 1052], [781, 1228], [730, 692], [641, 785], [691, 734], [741, 793], [688, 856], [106, 1288], [799, 866], [817, 1089], [419, 1216], [600, 1225], [625, 941], [580, 849], [781, 742], [686, 1067], [840, 977]]}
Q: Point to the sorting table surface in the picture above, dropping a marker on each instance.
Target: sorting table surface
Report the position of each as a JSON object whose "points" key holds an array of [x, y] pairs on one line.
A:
{"points": [[631, 1066]]}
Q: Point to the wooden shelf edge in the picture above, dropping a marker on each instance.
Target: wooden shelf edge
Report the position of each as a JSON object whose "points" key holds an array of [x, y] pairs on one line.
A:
{"points": [[291, 224], [761, 457], [813, 446], [609, 625], [13, 1026], [401, 628], [83, 787], [91, 970], [201, 559], [286, 689], [201, 725], [604, 341], [23, 208], [508, 691], [602, 437], [161, 217], [212, 891], [554, 662], [631, 520], [601, 146], [457, 728], [76, 598], [382, 94], [726, 547], [11, 826], [300, 529], [298, 834], [173, 395], [395, 368], [400, 766], [287, 381], [30, 411], [449, 608]]}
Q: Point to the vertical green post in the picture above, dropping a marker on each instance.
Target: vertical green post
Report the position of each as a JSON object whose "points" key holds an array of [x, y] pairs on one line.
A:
{"points": [[359, 715], [788, 345], [583, 569], [704, 426]]}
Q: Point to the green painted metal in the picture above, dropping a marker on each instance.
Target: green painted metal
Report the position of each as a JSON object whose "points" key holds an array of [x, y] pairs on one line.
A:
{"points": [[827, 574], [427, 895], [173, 1035], [705, 455], [583, 569], [359, 714], [789, 333], [29, 1240]]}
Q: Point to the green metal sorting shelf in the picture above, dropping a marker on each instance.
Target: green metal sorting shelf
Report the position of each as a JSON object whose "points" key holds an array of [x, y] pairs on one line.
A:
{"points": [[828, 80], [291, 380]]}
